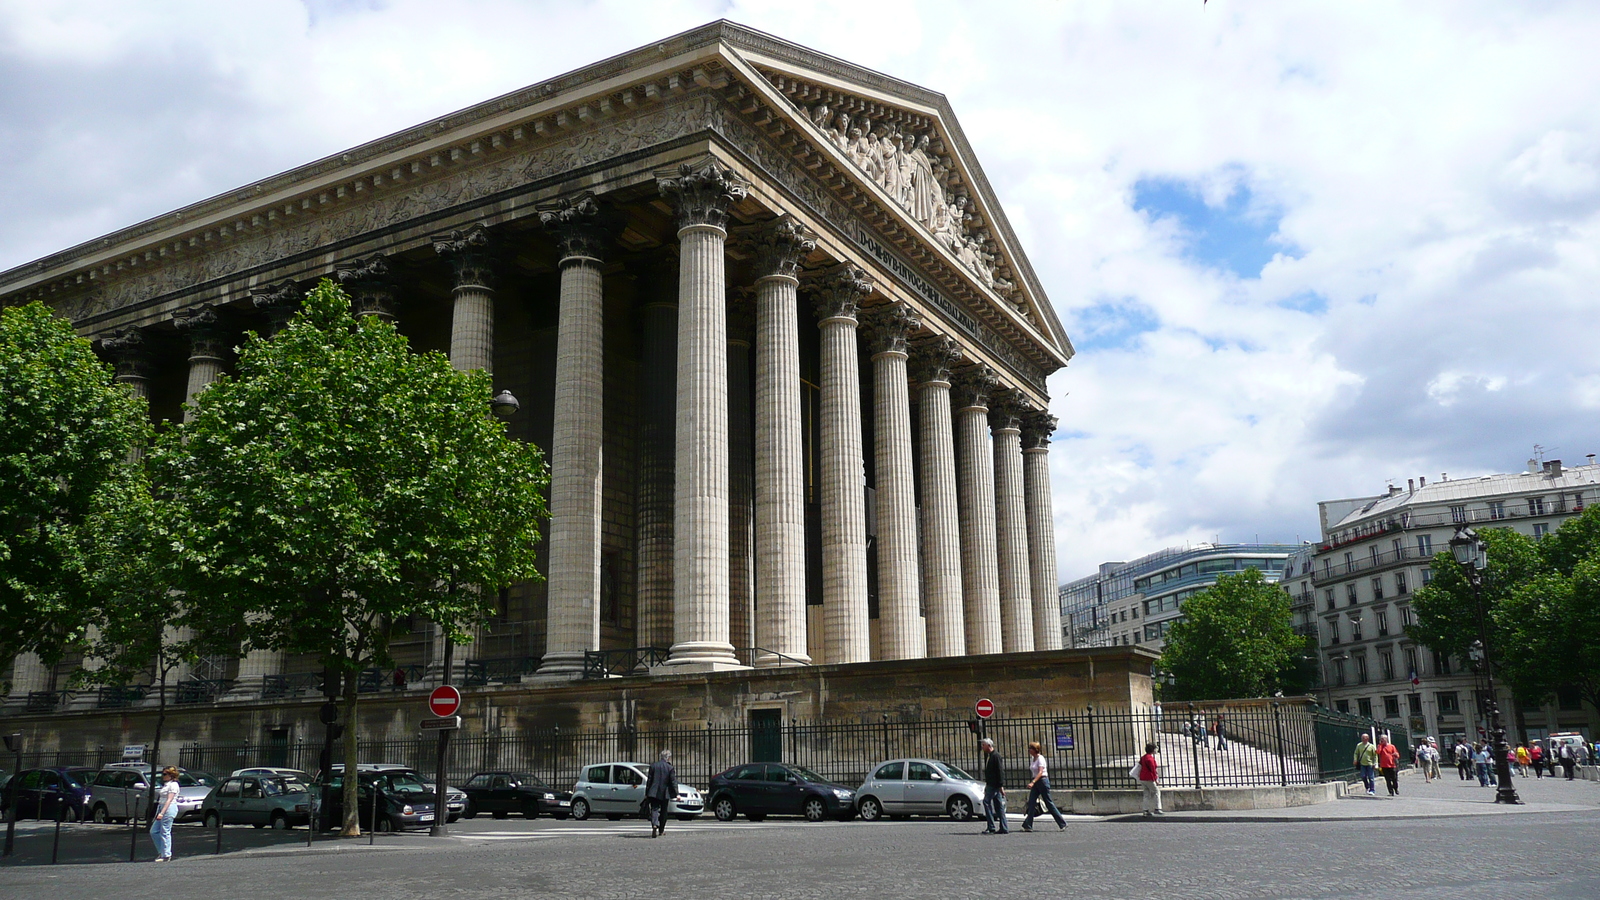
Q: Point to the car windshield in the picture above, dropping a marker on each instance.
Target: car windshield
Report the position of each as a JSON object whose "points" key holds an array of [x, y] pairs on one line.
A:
{"points": [[273, 787], [805, 774], [78, 777], [191, 779], [405, 782], [527, 780], [954, 772]]}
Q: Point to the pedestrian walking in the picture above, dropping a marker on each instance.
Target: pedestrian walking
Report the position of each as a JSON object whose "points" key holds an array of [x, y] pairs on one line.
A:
{"points": [[1039, 790], [1366, 759], [166, 812], [1222, 734], [1463, 755], [1523, 758], [1433, 757], [994, 790], [1568, 759], [1389, 764], [660, 788], [1149, 775], [1536, 756], [1481, 757]]}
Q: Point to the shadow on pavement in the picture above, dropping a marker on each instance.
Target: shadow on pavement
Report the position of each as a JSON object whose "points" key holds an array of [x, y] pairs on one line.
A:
{"points": [[89, 844]]}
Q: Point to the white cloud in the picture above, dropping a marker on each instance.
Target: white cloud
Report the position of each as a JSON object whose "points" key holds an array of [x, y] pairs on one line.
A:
{"points": [[1436, 167]]}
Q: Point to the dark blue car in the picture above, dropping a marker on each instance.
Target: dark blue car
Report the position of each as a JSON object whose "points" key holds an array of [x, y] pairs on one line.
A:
{"points": [[46, 793]]}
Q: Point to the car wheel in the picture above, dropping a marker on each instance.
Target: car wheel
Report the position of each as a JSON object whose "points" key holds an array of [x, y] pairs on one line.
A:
{"points": [[815, 809], [213, 820], [102, 816], [280, 822], [71, 815], [471, 811], [386, 825], [871, 809], [580, 809], [960, 808], [451, 820], [501, 814], [724, 808], [530, 810]]}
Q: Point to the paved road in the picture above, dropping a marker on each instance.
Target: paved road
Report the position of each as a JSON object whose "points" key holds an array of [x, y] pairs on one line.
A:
{"points": [[1550, 850]]}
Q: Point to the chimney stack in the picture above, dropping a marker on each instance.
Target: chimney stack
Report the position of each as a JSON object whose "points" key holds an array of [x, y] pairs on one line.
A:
{"points": [[1533, 467], [1422, 481], [1411, 485]]}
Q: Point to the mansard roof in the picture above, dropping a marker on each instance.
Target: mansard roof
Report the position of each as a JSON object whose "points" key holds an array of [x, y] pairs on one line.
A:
{"points": [[900, 143]]}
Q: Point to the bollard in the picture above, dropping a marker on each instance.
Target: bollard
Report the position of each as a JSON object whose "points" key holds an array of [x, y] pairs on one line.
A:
{"points": [[219, 832], [133, 838], [55, 846], [312, 809]]}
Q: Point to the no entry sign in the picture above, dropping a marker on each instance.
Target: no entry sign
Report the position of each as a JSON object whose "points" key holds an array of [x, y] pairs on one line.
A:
{"points": [[444, 701], [985, 708]]}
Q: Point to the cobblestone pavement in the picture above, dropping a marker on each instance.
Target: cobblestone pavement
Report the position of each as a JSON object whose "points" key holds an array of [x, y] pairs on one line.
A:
{"points": [[1550, 852]]}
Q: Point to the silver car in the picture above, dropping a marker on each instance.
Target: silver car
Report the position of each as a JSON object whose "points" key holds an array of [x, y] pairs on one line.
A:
{"points": [[615, 790], [121, 790], [927, 787]]}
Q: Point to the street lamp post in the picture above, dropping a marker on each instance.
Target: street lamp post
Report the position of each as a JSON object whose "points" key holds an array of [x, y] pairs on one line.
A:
{"points": [[1470, 554]]}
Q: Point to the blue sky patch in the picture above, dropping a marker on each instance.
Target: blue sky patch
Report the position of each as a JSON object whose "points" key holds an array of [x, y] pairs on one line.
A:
{"points": [[1236, 236], [1306, 302], [1112, 324]]}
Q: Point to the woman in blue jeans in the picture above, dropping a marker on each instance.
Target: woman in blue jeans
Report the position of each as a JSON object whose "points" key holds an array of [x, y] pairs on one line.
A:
{"points": [[1039, 789], [166, 811]]}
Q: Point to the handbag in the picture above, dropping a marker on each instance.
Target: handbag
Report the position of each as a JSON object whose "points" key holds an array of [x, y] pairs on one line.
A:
{"points": [[1134, 772]]}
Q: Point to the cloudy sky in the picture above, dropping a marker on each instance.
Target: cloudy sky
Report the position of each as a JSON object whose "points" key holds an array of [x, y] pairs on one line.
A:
{"points": [[1302, 249]]}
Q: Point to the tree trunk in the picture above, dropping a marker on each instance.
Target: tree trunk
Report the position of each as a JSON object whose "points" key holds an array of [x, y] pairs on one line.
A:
{"points": [[352, 778]]}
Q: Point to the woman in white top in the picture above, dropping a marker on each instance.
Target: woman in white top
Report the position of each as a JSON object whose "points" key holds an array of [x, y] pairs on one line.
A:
{"points": [[1039, 789], [166, 811]]}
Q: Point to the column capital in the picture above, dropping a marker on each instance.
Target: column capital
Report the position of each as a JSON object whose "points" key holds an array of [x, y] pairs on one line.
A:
{"points": [[367, 280], [128, 351], [278, 301], [575, 222], [202, 325], [701, 193], [839, 291], [467, 249], [933, 357], [1037, 426], [1006, 410], [972, 387], [889, 327], [781, 245]]}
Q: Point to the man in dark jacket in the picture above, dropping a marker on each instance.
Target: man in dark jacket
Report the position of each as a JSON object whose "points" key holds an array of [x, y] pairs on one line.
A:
{"points": [[994, 791], [660, 789]]}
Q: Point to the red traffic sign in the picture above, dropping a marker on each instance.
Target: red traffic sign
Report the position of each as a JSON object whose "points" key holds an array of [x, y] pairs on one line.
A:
{"points": [[444, 701], [985, 708]]}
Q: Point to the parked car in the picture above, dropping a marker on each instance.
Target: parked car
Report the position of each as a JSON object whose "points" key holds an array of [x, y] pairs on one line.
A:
{"points": [[503, 793], [44, 793], [403, 800], [258, 800], [758, 790], [121, 790], [617, 789], [928, 787], [272, 770], [455, 800]]}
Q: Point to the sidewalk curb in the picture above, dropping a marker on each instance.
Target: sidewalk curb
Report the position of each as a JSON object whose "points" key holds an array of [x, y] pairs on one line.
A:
{"points": [[1234, 819]]}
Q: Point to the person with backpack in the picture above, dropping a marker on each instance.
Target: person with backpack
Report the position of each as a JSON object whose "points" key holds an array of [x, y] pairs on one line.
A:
{"points": [[1149, 775], [1463, 755]]}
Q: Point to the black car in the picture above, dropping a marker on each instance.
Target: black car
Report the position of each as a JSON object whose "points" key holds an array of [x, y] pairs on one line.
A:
{"points": [[502, 793], [403, 800], [761, 789], [45, 793]]}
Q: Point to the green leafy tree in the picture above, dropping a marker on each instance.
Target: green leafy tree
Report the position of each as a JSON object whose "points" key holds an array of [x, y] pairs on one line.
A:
{"points": [[341, 483], [66, 429], [1234, 640], [1445, 611], [1550, 623], [1576, 540]]}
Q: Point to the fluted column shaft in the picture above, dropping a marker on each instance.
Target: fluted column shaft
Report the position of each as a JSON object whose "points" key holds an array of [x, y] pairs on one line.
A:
{"points": [[654, 525], [206, 349], [573, 606], [975, 487], [900, 628], [1041, 531], [941, 519], [741, 480], [1011, 534], [28, 674], [779, 465]]}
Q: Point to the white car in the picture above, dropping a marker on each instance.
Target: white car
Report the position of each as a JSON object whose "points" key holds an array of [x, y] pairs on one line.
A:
{"points": [[615, 790], [928, 787], [273, 770]]}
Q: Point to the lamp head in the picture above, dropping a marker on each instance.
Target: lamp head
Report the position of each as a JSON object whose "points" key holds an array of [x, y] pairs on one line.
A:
{"points": [[505, 404], [1468, 549]]}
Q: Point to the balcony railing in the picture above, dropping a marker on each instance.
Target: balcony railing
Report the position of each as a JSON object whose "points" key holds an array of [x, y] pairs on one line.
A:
{"points": [[617, 663], [1366, 564]]}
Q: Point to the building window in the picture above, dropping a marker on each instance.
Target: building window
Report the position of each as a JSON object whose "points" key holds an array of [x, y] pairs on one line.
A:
{"points": [[1386, 663], [1333, 630], [1540, 529], [1350, 593], [1458, 514], [1372, 553], [1391, 707], [1535, 506], [1449, 704], [1577, 502], [1343, 705], [1364, 708], [1399, 550], [1411, 663], [1425, 545], [1383, 623], [1327, 567], [1361, 673], [1415, 704], [1405, 616], [1377, 588], [1349, 561], [1400, 583], [1338, 673], [1331, 603], [1355, 628], [1427, 576], [1497, 509], [1441, 663]]}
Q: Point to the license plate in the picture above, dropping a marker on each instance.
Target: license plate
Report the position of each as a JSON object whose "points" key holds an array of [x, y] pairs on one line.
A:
{"points": [[425, 818], [566, 803]]}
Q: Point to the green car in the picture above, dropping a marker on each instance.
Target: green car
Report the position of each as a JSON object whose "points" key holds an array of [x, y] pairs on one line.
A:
{"points": [[258, 800]]}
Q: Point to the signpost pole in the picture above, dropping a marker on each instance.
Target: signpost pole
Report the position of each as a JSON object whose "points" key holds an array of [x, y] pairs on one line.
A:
{"points": [[444, 702], [14, 744]]}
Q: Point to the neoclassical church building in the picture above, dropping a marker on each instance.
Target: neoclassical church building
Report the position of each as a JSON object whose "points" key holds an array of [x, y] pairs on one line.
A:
{"points": [[761, 309]]}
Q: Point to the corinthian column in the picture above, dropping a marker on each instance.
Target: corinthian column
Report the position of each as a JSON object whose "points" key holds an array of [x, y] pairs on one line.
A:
{"points": [[472, 312], [206, 348], [367, 282], [845, 635], [1036, 430], [278, 303], [575, 447], [658, 380], [1011, 534], [901, 634], [741, 472], [975, 486], [28, 675], [780, 477], [941, 519], [702, 196]]}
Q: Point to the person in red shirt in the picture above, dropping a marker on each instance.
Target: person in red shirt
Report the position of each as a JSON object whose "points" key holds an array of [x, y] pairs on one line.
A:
{"points": [[1536, 754], [1149, 771], [1389, 764]]}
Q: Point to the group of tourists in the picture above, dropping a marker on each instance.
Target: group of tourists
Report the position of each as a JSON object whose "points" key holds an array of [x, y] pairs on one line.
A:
{"points": [[1382, 757], [1477, 759], [1147, 771]]}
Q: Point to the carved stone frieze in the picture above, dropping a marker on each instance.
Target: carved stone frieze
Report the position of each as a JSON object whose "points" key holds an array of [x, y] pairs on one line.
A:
{"points": [[781, 246], [575, 224], [838, 293], [702, 193], [932, 358], [1037, 426], [972, 387], [890, 326]]}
